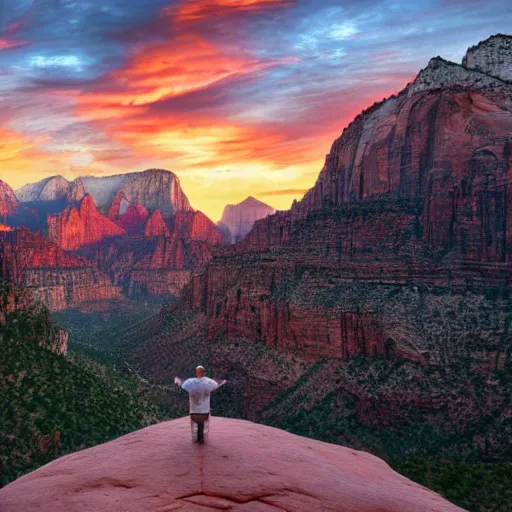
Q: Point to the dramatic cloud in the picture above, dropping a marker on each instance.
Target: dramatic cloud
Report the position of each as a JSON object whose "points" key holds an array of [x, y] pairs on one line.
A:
{"points": [[238, 97]]}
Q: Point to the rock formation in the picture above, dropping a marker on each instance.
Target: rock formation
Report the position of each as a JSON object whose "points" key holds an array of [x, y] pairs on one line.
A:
{"points": [[76, 191], [239, 218], [9, 205], [197, 226], [58, 278], [11, 212], [491, 56], [133, 221], [244, 466], [81, 225], [54, 188], [153, 189], [415, 192], [118, 207], [156, 226]]}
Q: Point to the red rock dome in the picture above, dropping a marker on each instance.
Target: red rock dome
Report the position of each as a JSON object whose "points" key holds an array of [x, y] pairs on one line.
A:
{"points": [[242, 467]]}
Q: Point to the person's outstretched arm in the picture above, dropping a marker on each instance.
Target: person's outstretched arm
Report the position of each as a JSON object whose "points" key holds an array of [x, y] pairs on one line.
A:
{"points": [[221, 383], [177, 381]]}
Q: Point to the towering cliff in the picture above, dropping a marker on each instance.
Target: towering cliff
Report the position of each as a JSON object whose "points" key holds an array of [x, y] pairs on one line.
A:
{"points": [[416, 192], [58, 278], [81, 225], [54, 188], [153, 189], [443, 145], [240, 218]]}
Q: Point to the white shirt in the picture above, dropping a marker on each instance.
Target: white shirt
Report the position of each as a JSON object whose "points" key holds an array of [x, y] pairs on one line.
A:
{"points": [[199, 389]]}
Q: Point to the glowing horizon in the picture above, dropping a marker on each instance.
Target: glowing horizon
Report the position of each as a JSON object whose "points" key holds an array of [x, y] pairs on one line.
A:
{"points": [[236, 97]]}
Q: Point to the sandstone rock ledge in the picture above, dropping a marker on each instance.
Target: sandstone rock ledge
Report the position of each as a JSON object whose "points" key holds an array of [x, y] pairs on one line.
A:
{"points": [[242, 467]]}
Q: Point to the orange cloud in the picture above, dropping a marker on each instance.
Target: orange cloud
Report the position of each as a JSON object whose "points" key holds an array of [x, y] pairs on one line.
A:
{"points": [[192, 10]]}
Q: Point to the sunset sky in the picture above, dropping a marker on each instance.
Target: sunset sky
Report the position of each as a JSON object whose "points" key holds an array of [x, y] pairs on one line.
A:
{"points": [[237, 97]]}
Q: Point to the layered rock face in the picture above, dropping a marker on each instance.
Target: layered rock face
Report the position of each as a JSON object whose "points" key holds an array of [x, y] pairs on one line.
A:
{"points": [[9, 205], [11, 212], [195, 226], [415, 192], [280, 471], [55, 188], [492, 56], [81, 225], [58, 278], [240, 218], [153, 188], [444, 145]]}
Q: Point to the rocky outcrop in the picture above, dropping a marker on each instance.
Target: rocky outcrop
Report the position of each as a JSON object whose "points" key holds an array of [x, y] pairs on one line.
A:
{"points": [[58, 278], [9, 205], [280, 471], [156, 226], [11, 212], [76, 192], [54, 188], [196, 226], [239, 218], [134, 219], [443, 146], [492, 56], [81, 225], [118, 207], [154, 189]]}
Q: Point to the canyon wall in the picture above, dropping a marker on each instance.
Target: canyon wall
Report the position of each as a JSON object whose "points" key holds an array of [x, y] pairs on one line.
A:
{"points": [[58, 278], [416, 192]]}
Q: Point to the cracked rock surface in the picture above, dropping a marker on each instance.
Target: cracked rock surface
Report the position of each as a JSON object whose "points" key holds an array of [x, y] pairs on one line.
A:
{"points": [[242, 467]]}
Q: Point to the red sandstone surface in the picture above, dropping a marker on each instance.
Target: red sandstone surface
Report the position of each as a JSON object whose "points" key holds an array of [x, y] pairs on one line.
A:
{"points": [[134, 220], [118, 207], [196, 226], [58, 278], [241, 467], [415, 191], [9, 205], [82, 225], [156, 226]]}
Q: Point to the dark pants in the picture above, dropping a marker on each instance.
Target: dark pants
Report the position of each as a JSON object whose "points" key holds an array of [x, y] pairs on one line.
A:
{"points": [[200, 419]]}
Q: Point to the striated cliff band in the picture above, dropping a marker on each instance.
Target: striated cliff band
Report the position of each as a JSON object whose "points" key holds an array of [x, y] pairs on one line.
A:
{"points": [[147, 240], [415, 193]]}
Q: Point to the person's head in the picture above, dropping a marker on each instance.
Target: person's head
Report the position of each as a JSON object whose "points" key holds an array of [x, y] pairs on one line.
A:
{"points": [[199, 371]]}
